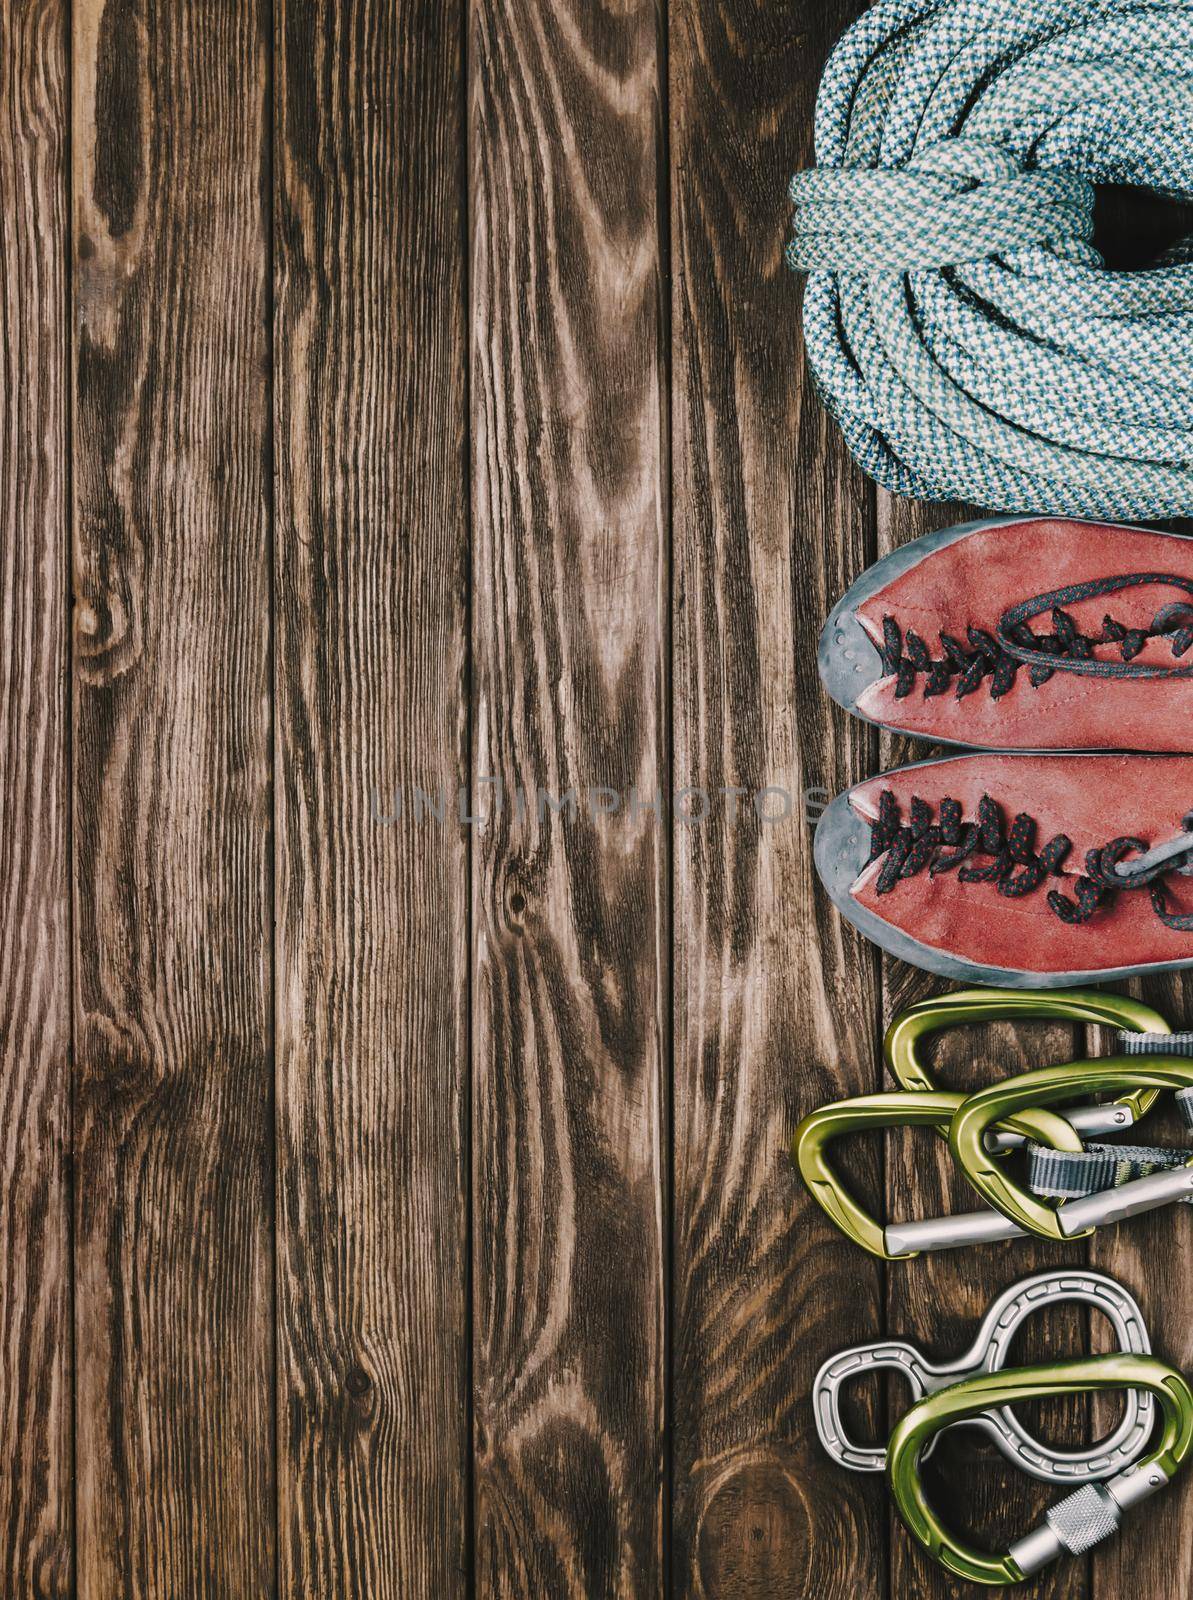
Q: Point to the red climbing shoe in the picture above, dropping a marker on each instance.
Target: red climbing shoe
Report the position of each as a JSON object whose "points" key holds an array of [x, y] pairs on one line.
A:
{"points": [[1033, 871], [1033, 633]]}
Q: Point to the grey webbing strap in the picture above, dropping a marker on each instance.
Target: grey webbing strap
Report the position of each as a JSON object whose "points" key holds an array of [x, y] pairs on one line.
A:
{"points": [[1156, 1044], [1064, 1175]]}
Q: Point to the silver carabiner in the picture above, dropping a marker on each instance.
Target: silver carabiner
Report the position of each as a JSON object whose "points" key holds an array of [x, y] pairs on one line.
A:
{"points": [[989, 1354]]}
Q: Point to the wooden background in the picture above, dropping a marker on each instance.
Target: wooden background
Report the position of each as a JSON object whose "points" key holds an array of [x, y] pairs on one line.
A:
{"points": [[409, 392]]}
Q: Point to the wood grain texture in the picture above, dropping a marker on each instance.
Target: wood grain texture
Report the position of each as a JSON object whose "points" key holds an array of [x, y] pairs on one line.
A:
{"points": [[444, 485], [372, 952], [775, 998], [174, 1190], [1153, 1257], [570, 908], [938, 1300], [36, 1487]]}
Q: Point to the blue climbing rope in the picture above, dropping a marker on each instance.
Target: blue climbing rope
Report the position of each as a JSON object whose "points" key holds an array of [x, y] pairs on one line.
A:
{"points": [[960, 325]]}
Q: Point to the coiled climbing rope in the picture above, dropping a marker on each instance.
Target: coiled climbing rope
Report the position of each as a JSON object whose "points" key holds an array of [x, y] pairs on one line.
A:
{"points": [[961, 326]]}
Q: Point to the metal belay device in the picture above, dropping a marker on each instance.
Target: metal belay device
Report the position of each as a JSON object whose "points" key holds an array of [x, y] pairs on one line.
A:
{"points": [[1095, 1184], [979, 1389], [989, 1353]]}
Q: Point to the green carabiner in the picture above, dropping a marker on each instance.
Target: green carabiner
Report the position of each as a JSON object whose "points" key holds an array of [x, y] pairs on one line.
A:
{"points": [[1083, 1518], [899, 1110], [901, 1045], [1044, 1087]]}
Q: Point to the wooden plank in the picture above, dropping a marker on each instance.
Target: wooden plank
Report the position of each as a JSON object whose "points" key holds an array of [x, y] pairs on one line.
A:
{"points": [[35, 1335], [938, 1300], [1151, 1256], [174, 1191], [569, 607], [775, 998], [372, 949]]}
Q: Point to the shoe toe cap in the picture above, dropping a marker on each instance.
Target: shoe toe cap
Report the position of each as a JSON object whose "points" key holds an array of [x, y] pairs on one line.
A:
{"points": [[848, 662]]}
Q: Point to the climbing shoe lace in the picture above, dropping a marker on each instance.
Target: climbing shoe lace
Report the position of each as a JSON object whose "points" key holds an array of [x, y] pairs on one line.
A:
{"points": [[1034, 870]]}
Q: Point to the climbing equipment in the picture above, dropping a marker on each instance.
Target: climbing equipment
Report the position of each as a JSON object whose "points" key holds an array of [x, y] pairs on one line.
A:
{"points": [[989, 1353], [1139, 1025], [1089, 1175], [1103, 1183], [979, 1390], [961, 326], [1038, 633], [1051, 1111], [890, 1241], [931, 861], [1081, 1520]]}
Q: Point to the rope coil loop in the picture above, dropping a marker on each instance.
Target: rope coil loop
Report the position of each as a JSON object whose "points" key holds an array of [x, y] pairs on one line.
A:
{"points": [[960, 325], [961, 203]]}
